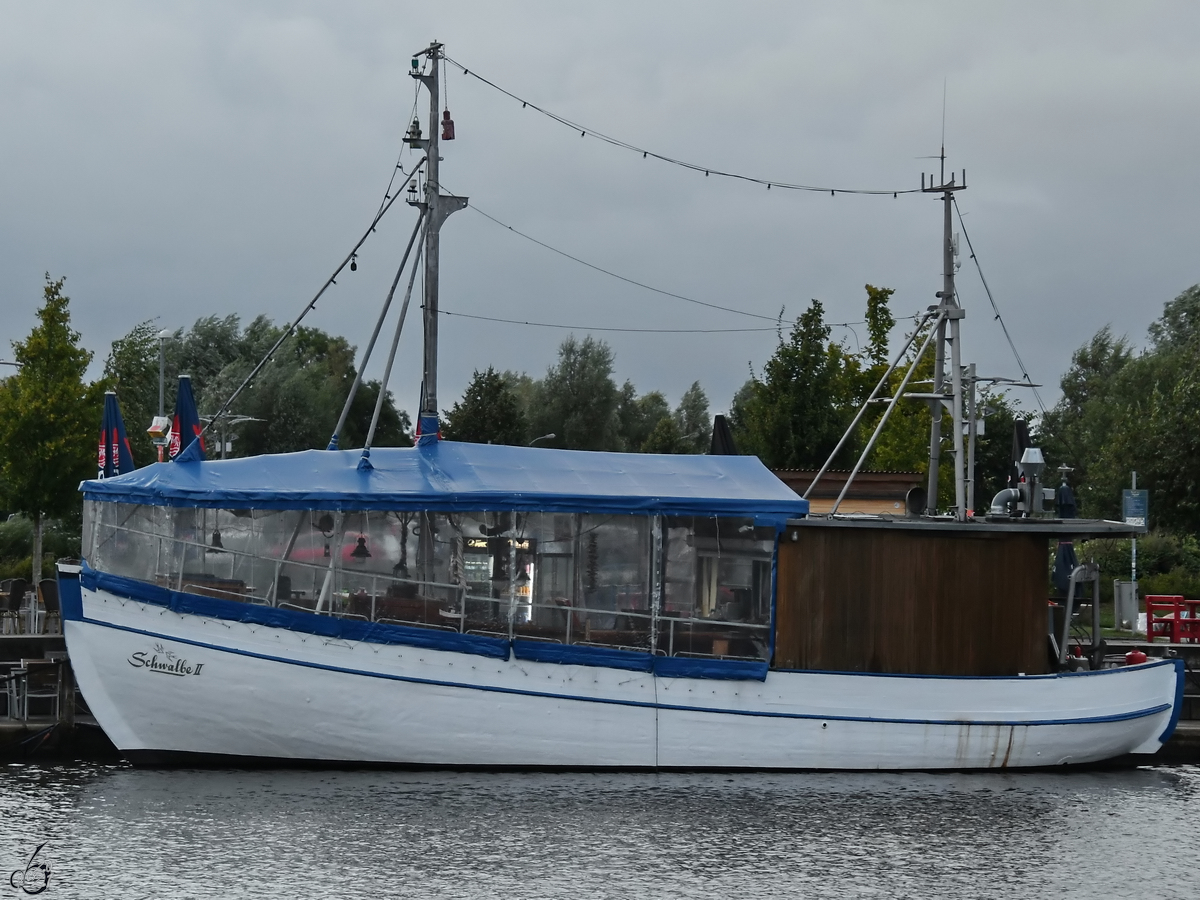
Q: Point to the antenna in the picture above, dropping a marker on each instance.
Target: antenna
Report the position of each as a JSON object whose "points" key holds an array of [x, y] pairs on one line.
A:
{"points": [[949, 313], [945, 81]]}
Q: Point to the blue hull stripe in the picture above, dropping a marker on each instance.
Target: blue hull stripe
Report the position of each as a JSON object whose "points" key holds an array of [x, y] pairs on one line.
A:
{"points": [[412, 636], [1180, 679], [303, 622], [1085, 720]]}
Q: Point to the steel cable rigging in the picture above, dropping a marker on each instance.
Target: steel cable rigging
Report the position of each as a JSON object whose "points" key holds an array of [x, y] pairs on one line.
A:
{"points": [[777, 320], [584, 131], [995, 309]]}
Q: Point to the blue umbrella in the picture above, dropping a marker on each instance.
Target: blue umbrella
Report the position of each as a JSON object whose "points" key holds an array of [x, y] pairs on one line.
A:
{"points": [[115, 456], [1065, 562], [185, 428]]}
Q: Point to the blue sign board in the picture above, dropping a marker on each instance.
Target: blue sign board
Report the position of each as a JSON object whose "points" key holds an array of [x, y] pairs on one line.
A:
{"points": [[1135, 507]]}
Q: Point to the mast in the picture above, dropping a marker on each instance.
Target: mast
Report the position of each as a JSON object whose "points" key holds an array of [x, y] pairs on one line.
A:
{"points": [[950, 315], [436, 206]]}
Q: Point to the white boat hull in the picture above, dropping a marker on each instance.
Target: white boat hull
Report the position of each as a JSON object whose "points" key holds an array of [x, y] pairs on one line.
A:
{"points": [[170, 687]]}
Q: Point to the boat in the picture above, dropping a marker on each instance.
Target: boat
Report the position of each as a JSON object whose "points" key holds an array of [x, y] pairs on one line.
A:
{"points": [[529, 607]]}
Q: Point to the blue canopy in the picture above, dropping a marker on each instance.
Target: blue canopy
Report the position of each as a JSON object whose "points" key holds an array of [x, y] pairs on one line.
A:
{"points": [[451, 476]]}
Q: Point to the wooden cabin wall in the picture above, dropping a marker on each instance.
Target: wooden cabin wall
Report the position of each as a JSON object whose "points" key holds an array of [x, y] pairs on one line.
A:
{"points": [[876, 600]]}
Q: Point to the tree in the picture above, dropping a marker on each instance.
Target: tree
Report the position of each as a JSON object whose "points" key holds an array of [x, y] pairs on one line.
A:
{"points": [[577, 400], [638, 416], [880, 323], [667, 438], [1122, 412], [799, 409], [132, 371], [488, 413], [1179, 325], [1087, 415], [692, 420], [298, 395], [49, 419]]}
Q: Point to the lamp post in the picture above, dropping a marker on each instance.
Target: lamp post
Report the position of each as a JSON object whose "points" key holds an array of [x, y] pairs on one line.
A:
{"points": [[225, 422], [160, 428], [162, 367], [545, 437]]}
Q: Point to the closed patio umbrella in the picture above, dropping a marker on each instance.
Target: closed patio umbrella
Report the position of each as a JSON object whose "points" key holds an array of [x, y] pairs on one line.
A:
{"points": [[115, 457], [185, 428]]}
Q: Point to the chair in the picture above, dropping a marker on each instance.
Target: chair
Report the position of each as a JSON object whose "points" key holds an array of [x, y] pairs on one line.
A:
{"points": [[283, 590], [10, 605], [43, 681], [48, 594], [15, 691]]}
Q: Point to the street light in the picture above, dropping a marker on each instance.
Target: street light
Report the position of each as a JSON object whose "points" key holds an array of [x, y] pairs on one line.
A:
{"points": [[160, 428], [544, 437], [224, 422], [162, 366]]}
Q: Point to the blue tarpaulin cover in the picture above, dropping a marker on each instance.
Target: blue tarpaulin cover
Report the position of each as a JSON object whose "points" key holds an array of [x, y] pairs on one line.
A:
{"points": [[452, 476]]}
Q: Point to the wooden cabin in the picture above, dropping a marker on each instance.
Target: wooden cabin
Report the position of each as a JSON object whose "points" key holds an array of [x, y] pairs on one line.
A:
{"points": [[918, 596]]}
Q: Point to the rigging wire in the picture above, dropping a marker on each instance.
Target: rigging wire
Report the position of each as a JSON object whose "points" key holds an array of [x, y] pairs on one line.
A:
{"points": [[310, 306], [992, 300], [611, 274], [776, 319], [584, 131], [461, 315], [446, 312]]}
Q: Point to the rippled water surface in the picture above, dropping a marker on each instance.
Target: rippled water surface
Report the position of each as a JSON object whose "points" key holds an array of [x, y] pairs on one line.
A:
{"points": [[118, 832]]}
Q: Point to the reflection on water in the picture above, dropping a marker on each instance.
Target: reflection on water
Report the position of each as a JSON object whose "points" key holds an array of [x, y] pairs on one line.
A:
{"points": [[120, 832]]}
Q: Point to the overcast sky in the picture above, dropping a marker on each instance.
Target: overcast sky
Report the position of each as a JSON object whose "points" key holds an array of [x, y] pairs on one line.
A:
{"points": [[190, 159]]}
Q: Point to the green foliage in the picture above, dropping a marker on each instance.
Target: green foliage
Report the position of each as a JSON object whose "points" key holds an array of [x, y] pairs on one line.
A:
{"points": [[666, 438], [799, 409], [811, 388], [577, 400], [298, 395], [1121, 413], [1167, 563], [489, 412], [49, 417], [880, 323], [1086, 418], [693, 421], [579, 403], [132, 371], [1179, 326], [638, 417], [59, 539], [49, 422], [903, 445], [993, 449]]}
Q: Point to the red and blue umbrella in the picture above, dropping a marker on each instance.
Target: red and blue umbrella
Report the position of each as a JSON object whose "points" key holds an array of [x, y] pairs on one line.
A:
{"points": [[185, 428], [115, 457]]}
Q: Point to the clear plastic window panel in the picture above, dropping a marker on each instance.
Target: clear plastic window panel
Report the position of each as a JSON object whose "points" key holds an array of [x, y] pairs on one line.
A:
{"points": [[717, 588], [562, 577]]}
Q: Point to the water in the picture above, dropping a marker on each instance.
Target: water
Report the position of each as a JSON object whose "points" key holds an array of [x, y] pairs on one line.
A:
{"points": [[112, 831]]}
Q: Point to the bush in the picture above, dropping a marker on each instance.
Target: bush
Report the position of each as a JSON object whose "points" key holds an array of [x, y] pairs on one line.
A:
{"points": [[18, 568], [1167, 563], [59, 539], [16, 538]]}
